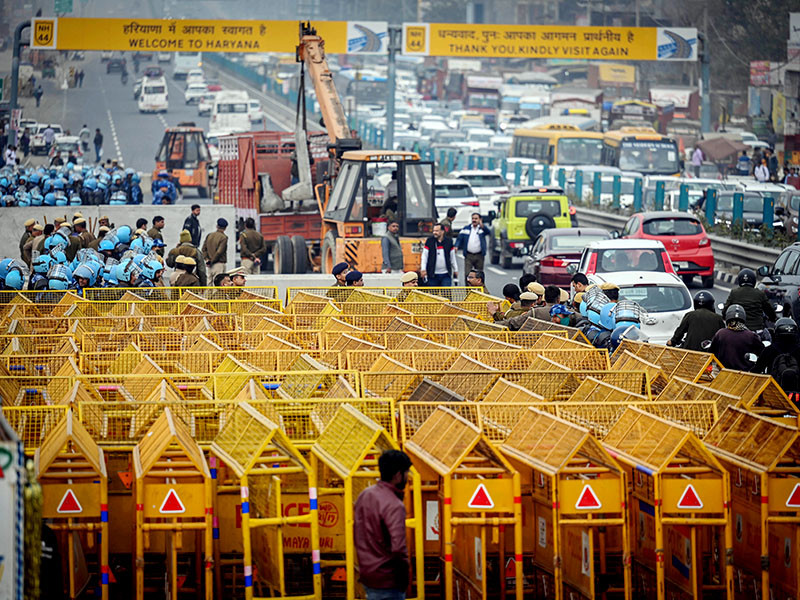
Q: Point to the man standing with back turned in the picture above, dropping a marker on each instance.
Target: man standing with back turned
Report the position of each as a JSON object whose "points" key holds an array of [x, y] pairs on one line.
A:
{"points": [[379, 528]]}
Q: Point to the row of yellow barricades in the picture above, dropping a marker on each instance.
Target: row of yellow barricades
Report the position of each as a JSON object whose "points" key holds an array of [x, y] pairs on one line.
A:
{"points": [[505, 500]]}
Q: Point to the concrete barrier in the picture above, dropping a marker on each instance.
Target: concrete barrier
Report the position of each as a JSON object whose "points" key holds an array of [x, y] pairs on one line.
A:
{"points": [[14, 218]]}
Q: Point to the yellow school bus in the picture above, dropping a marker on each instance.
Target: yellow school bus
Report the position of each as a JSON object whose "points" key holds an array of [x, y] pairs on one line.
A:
{"points": [[641, 149], [557, 144]]}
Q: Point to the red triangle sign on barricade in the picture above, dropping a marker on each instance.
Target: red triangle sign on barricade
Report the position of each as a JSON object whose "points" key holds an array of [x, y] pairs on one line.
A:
{"points": [[690, 499], [69, 504], [172, 504], [794, 498], [181, 581], [481, 498], [588, 500], [511, 568]]}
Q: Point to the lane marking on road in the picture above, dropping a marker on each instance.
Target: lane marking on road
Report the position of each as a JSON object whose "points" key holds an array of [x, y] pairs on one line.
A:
{"points": [[115, 137], [496, 270], [163, 120]]}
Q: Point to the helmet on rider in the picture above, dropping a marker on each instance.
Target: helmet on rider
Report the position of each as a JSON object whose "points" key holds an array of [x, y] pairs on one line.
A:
{"points": [[786, 330], [735, 312], [746, 277], [704, 299], [59, 277], [42, 264]]}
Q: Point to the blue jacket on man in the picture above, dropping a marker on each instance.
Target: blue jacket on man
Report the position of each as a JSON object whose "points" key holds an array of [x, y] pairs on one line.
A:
{"points": [[463, 238]]}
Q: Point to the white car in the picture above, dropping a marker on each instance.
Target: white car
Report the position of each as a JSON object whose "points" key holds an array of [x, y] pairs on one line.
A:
{"points": [[205, 104], [194, 92], [38, 145], [64, 145], [164, 57], [455, 193], [663, 295], [195, 76], [486, 184], [255, 112]]}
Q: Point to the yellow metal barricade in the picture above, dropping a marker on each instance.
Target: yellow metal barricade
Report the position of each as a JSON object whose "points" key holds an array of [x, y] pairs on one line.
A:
{"points": [[758, 393], [573, 496], [472, 501], [260, 465], [675, 362], [680, 508], [173, 494], [628, 361], [72, 472], [533, 324], [344, 459], [258, 293], [761, 458]]}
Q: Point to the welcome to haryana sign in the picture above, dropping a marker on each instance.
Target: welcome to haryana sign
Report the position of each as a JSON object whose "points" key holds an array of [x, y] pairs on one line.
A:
{"points": [[193, 35]]}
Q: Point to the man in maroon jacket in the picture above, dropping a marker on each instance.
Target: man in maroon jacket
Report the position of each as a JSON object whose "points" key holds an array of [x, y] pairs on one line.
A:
{"points": [[380, 530]]}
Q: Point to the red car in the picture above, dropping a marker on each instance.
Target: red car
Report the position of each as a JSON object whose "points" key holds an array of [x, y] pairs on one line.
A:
{"points": [[684, 238], [555, 249]]}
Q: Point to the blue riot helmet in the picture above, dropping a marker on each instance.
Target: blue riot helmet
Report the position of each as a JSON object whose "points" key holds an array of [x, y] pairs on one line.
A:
{"points": [[15, 279], [151, 267], [58, 184], [50, 199], [135, 178], [97, 271], [142, 244], [90, 183], [123, 234], [116, 178], [4, 183], [4, 266], [22, 180], [108, 243], [593, 315], [626, 332], [61, 199], [35, 178], [122, 272], [582, 308], [42, 263], [9, 200], [607, 316], [59, 277], [28, 199], [630, 312], [58, 256], [75, 200], [118, 198], [83, 272]]}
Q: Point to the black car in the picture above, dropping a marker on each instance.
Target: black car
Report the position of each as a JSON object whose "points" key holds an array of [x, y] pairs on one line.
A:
{"points": [[781, 280], [116, 65]]}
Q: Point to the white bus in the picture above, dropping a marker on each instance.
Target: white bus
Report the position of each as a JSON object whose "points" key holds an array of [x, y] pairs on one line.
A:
{"points": [[154, 96], [230, 111], [185, 62]]}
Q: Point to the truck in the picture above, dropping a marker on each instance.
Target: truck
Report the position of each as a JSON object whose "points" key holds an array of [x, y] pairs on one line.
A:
{"points": [[334, 210], [482, 93], [183, 153]]}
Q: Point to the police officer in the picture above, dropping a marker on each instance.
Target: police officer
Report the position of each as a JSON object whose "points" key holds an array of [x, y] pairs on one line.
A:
{"points": [[527, 301], [699, 325], [186, 248], [753, 301], [215, 249]]}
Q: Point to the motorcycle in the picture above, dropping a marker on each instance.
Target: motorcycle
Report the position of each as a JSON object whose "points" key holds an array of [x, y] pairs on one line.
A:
{"points": [[124, 78]]}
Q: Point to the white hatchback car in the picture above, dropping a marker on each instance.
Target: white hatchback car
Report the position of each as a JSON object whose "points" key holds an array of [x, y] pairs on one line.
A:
{"points": [[254, 111], [194, 92], [455, 193], [663, 295], [195, 76]]}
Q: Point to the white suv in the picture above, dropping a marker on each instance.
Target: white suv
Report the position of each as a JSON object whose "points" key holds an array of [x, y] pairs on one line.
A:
{"points": [[455, 193], [488, 186]]}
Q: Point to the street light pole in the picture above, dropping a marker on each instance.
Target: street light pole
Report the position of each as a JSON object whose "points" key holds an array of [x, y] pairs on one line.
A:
{"points": [[393, 34], [12, 99]]}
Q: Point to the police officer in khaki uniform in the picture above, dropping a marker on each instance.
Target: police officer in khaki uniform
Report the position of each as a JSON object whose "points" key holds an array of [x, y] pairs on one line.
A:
{"points": [[27, 234], [27, 249], [252, 247], [155, 232], [84, 234], [74, 242], [186, 248], [185, 265], [215, 249]]}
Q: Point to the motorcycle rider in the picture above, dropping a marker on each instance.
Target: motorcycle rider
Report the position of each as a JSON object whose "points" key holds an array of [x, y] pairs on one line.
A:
{"points": [[753, 301], [699, 325], [782, 358], [732, 344]]}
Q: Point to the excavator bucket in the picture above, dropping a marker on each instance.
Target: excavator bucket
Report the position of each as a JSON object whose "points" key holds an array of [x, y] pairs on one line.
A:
{"points": [[304, 189]]}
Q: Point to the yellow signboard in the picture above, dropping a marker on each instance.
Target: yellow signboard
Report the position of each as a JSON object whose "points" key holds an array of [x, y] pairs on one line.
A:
{"points": [[190, 35], [610, 73], [544, 41]]}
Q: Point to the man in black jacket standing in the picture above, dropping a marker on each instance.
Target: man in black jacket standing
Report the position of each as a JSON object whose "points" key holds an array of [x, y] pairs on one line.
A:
{"points": [[439, 264], [192, 225]]}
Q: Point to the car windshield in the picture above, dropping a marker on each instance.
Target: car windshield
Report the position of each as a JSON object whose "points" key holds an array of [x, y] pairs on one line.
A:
{"points": [[658, 298], [67, 146], [751, 203], [239, 107], [579, 151], [526, 208], [614, 260], [154, 89], [672, 226], [484, 180], [574, 242], [794, 202], [649, 156], [453, 191]]}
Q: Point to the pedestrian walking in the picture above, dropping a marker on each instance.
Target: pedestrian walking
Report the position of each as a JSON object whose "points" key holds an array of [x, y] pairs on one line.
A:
{"points": [[438, 265], [379, 528], [85, 135], [80, 78], [252, 247], [215, 249], [472, 241], [98, 145], [10, 156], [49, 135], [761, 172], [697, 160], [25, 143], [192, 225], [38, 92]]}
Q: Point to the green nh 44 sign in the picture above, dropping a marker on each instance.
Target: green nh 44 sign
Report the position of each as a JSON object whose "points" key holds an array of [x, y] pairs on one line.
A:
{"points": [[62, 7]]}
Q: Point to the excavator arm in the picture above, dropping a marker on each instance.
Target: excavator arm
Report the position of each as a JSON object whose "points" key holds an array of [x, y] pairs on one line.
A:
{"points": [[311, 51]]}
